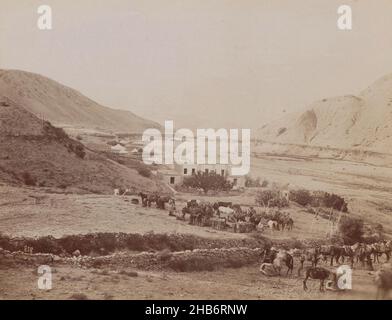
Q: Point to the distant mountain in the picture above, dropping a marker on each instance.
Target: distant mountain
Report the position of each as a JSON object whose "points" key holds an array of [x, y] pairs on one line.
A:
{"points": [[361, 122], [64, 106], [33, 152]]}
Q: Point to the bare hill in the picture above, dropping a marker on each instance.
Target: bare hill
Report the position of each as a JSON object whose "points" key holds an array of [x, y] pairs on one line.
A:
{"points": [[35, 153], [64, 106], [361, 122]]}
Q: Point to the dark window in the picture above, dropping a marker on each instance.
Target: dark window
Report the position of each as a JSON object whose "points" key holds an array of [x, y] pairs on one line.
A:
{"points": [[185, 171], [172, 179], [235, 182], [193, 171], [222, 172]]}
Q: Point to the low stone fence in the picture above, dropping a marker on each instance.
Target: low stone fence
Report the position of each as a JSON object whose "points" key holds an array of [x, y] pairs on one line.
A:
{"points": [[189, 260], [181, 261]]}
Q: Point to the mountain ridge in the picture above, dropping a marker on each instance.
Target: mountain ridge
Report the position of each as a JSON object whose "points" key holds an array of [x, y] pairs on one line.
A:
{"points": [[348, 122], [65, 106]]}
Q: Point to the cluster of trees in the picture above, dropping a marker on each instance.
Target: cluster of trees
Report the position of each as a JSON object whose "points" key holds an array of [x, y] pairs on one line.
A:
{"points": [[208, 181], [351, 230], [319, 198], [271, 198]]}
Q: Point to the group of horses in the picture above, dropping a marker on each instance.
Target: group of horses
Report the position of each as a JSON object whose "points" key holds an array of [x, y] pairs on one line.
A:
{"points": [[221, 214], [204, 213], [273, 259], [276, 220], [160, 200], [359, 252]]}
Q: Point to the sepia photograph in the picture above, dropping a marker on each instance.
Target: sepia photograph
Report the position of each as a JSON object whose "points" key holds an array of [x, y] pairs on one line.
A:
{"points": [[183, 150]]}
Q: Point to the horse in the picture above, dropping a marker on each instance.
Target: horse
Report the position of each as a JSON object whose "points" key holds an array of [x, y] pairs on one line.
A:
{"points": [[313, 255], [162, 200], [380, 248], [283, 257], [273, 225], [278, 258], [332, 251], [318, 273], [144, 198], [286, 222], [195, 214], [363, 252]]}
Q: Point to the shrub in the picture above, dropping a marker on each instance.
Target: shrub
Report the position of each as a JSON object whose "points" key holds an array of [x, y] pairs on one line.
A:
{"points": [[334, 201], [319, 198], [144, 171], [271, 198], [79, 151], [302, 197], [264, 184], [351, 230], [252, 183], [28, 179]]}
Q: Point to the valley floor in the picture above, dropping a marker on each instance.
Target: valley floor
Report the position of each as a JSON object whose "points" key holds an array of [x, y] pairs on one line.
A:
{"points": [[33, 212], [244, 283]]}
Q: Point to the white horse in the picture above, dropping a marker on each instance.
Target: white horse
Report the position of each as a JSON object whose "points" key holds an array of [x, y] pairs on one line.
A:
{"points": [[273, 225]]}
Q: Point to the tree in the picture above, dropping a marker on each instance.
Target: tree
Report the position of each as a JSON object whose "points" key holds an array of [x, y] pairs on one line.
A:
{"points": [[208, 181], [302, 197], [351, 230], [271, 198]]}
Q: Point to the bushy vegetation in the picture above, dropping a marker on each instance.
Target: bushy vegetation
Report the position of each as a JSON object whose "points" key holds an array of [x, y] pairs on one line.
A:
{"points": [[252, 183], [28, 179], [61, 136], [271, 198], [78, 149], [319, 198], [351, 230], [255, 183], [208, 181], [302, 197], [144, 171]]}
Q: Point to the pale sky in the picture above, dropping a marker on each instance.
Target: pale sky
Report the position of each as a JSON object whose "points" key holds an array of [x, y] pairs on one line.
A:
{"points": [[215, 63]]}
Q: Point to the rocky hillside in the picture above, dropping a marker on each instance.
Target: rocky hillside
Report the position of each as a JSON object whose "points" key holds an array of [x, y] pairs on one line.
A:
{"points": [[35, 153], [362, 122], [64, 106]]}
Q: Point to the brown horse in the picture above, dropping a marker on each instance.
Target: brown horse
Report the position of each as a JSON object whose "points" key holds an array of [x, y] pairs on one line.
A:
{"points": [[321, 274]]}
